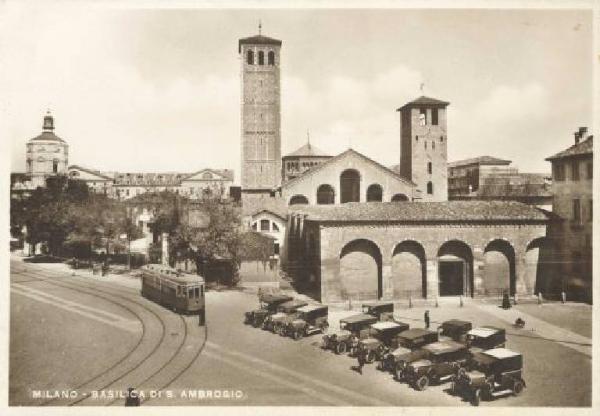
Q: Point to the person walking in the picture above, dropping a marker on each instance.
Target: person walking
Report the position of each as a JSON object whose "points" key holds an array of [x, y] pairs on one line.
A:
{"points": [[361, 362], [426, 318]]}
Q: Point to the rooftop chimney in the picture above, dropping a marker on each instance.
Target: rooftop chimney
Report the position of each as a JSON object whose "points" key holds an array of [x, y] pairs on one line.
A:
{"points": [[577, 137], [582, 132]]}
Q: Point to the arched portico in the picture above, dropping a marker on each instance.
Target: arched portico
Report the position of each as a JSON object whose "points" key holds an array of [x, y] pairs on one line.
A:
{"points": [[499, 268], [409, 270], [361, 270], [455, 269]]}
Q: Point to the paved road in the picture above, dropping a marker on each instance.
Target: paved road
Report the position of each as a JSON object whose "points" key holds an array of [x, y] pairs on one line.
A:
{"points": [[72, 332]]}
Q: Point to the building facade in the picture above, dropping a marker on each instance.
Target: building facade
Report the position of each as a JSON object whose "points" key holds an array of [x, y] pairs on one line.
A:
{"points": [[46, 154], [491, 178], [260, 113], [423, 146], [572, 176], [416, 250]]}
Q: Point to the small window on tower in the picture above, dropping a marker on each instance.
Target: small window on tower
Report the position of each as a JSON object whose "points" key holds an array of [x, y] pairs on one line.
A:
{"points": [[441, 139], [271, 58], [429, 188], [429, 167], [425, 144], [250, 58], [261, 58], [434, 116], [423, 116], [432, 144]]}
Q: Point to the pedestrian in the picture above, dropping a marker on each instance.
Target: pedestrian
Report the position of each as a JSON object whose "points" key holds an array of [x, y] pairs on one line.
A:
{"points": [[361, 361], [426, 318]]}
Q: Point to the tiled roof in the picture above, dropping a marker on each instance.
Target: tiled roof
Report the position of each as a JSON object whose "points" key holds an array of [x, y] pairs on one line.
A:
{"points": [[226, 173], [257, 40], [48, 135], [92, 171], [584, 147], [424, 101], [481, 160], [308, 150], [451, 211], [252, 206]]}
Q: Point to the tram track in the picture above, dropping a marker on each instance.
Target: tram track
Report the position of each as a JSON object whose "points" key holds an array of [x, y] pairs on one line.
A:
{"points": [[85, 289]]}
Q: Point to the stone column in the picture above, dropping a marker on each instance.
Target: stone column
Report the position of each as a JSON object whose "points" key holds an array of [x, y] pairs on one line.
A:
{"points": [[478, 271], [432, 279], [165, 249], [522, 285], [387, 292]]}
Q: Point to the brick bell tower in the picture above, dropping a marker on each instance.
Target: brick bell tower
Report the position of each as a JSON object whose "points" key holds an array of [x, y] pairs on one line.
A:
{"points": [[261, 113], [423, 146]]}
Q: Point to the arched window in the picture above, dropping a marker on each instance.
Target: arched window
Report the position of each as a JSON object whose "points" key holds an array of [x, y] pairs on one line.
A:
{"points": [[265, 225], [429, 167], [250, 58], [374, 193], [325, 195], [261, 58], [350, 186], [399, 198], [271, 58], [429, 188]]}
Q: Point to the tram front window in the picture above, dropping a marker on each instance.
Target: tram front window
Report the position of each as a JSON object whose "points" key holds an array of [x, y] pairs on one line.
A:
{"points": [[191, 293], [197, 292]]}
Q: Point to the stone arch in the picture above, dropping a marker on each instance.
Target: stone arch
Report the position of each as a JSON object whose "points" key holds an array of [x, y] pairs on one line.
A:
{"points": [[399, 198], [361, 270], [409, 270], [298, 200], [455, 269], [350, 186], [325, 194], [374, 193], [499, 267]]}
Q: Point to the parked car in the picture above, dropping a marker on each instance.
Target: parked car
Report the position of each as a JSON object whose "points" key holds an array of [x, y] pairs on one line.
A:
{"points": [[268, 306], [441, 360], [408, 350], [485, 338], [493, 372], [384, 311], [382, 336], [285, 312], [310, 319], [351, 328], [455, 330]]}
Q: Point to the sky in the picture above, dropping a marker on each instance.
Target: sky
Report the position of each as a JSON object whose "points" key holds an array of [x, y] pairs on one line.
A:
{"points": [[137, 90]]}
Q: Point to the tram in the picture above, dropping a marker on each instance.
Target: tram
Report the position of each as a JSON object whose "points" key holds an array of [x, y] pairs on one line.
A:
{"points": [[179, 291]]}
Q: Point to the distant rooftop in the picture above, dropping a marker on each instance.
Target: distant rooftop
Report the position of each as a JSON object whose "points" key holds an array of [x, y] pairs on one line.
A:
{"points": [[402, 212], [584, 147], [424, 101], [257, 40], [308, 150], [480, 160]]}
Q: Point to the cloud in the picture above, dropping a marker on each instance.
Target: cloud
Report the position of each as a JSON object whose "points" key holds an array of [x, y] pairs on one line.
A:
{"points": [[507, 104]]}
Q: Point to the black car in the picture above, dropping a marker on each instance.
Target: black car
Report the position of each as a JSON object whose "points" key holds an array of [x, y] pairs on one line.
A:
{"points": [[441, 360], [491, 372], [408, 343], [352, 329], [383, 311], [268, 306], [382, 337], [455, 330], [309, 320], [485, 338], [286, 312]]}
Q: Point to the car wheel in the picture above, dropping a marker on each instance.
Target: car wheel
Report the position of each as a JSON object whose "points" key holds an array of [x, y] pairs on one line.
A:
{"points": [[399, 373], [340, 348], [325, 327], [422, 383], [370, 357], [255, 323], [518, 387], [476, 397]]}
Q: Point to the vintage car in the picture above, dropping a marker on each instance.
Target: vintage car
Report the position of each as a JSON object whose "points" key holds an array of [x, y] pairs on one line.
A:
{"points": [[310, 319], [352, 328], [485, 338], [382, 337], [407, 351], [268, 306], [441, 360], [455, 330], [493, 372], [384, 311], [285, 312]]}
